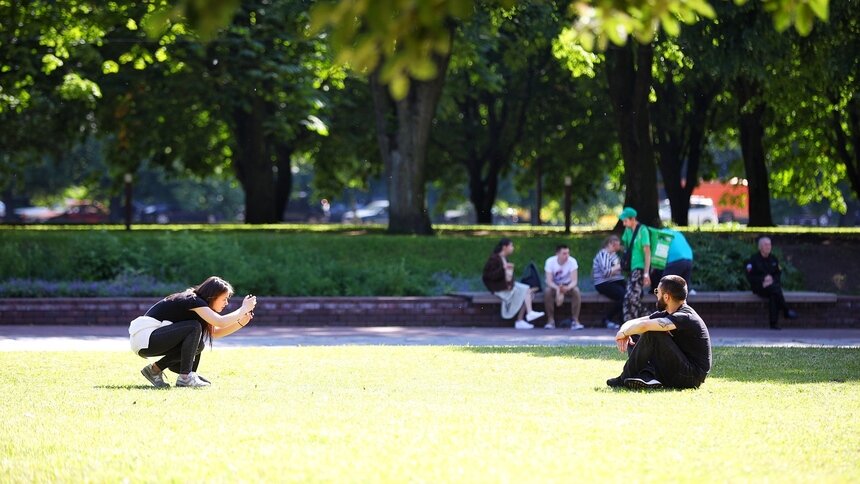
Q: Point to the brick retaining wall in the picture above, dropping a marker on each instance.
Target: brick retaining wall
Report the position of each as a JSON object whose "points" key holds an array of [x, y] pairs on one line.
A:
{"points": [[402, 311]]}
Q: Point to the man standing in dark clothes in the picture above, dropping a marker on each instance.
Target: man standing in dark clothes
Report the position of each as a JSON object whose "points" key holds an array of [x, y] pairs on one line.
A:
{"points": [[763, 274], [674, 349]]}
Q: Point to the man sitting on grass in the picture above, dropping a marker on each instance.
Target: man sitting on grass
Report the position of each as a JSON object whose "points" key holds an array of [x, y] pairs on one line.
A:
{"points": [[674, 349]]}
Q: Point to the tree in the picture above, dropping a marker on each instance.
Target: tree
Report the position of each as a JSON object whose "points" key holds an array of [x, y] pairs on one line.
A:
{"points": [[816, 144], [499, 71], [685, 94], [628, 70]]}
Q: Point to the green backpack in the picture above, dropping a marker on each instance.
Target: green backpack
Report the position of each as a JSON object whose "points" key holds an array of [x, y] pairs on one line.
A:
{"points": [[661, 239]]}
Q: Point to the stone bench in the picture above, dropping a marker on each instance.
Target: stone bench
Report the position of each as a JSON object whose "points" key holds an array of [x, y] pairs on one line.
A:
{"points": [[717, 308], [475, 309], [734, 297]]}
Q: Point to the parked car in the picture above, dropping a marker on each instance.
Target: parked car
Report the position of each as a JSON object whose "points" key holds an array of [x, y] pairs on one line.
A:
{"points": [[702, 211], [82, 212], [374, 212], [36, 214]]}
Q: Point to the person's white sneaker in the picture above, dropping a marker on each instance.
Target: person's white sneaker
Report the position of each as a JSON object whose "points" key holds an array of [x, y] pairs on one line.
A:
{"points": [[523, 325], [532, 315], [576, 325], [691, 292], [191, 381], [550, 325]]}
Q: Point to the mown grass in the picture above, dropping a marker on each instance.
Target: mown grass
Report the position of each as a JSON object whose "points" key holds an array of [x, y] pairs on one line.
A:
{"points": [[429, 414]]}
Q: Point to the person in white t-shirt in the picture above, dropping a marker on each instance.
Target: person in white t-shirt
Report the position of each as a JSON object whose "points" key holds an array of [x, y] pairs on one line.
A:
{"points": [[561, 280]]}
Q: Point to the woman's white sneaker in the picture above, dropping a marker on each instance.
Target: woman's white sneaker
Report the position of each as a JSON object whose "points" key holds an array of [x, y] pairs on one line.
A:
{"points": [[532, 315], [190, 381], [523, 325]]}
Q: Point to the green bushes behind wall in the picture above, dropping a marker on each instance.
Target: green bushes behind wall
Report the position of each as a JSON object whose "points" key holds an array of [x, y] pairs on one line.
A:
{"points": [[315, 264]]}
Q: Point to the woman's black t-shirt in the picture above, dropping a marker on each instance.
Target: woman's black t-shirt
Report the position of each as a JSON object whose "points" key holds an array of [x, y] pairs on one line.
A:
{"points": [[177, 308]]}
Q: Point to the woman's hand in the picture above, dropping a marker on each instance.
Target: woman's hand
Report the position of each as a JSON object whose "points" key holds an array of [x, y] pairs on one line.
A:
{"points": [[249, 303], [246, 318]]}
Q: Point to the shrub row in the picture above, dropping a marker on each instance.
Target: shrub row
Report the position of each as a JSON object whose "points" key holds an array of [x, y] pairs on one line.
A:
{"points": [[101, 262]]}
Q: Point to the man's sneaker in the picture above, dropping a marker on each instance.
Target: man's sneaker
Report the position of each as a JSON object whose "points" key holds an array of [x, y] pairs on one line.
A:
{"points": [[532, 315], [204, 380], [641, 384], [191, 381], [157, 379], [523, 325], [616, 382], [550, 325], [576, 325], [611, 324]]}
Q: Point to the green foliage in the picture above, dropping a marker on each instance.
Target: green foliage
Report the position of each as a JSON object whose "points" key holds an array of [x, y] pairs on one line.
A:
{"points": [[310, 264], [719, 263]]}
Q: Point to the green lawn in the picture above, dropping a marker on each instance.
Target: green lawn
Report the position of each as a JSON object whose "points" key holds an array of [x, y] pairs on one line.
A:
{"points": [[428, 414]]}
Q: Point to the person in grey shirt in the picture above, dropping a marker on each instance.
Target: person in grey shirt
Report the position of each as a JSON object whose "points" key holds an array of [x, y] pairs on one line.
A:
{"points": [[608, 279]]}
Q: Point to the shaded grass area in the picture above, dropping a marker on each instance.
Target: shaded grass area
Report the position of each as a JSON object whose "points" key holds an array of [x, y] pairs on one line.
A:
{"points": [[366, 413]]}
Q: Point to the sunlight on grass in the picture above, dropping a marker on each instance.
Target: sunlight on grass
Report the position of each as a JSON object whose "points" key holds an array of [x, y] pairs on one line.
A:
{"points": [[370, 413]]}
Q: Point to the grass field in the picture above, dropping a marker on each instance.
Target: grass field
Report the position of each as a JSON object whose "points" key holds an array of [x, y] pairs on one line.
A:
{"points": [[429, 414]]}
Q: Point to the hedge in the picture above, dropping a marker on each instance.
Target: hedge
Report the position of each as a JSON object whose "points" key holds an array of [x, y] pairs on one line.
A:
{"points": [[74, 262]]}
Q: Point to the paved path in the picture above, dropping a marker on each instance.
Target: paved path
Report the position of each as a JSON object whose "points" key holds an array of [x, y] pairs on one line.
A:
{"points": [[115, 338]]}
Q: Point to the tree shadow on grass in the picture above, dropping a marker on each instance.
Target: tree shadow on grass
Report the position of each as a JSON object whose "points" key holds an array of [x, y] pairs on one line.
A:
{"points": [[129, 387], [743, 364], [577, 352]]}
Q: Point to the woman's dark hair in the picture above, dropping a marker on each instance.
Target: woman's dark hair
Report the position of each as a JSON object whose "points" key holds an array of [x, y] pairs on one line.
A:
{"points": [[207, 290], [502, 244], [675, 287]]}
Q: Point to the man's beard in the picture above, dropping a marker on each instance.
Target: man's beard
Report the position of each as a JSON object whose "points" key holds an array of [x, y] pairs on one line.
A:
{"points": [[661, 304]]}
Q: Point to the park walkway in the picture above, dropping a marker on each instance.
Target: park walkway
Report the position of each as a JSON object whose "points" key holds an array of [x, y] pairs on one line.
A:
{"points": [[115, 338]]}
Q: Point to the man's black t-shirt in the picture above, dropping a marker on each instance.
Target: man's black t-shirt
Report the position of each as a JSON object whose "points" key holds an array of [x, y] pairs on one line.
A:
{"points": [[177, 308], [691, 335]]}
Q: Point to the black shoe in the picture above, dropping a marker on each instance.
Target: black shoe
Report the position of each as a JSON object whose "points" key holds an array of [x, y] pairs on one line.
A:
{"points": [[640, 384], [616, 382], [791, 314], [775, 326]]}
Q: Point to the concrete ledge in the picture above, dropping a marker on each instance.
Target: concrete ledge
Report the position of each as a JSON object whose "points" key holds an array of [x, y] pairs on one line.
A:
{"points": [[484, 297], [717, 309]]}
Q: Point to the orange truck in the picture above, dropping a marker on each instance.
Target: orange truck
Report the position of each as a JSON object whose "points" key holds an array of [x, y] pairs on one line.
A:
{"points": [[731, 198]]}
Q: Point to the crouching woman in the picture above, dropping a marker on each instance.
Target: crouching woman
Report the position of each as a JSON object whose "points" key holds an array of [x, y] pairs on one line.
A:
{"points": [[177, 328]]}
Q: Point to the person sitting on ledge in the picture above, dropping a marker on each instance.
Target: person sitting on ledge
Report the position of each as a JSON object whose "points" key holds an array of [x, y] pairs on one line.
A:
{"points": [[674, 349], [516, 297], [764, 276]]}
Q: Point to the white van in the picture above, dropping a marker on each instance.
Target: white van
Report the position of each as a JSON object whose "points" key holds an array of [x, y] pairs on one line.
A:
{"points": [[702, 211]]}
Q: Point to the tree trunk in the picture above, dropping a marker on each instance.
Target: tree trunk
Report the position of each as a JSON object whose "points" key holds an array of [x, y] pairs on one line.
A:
{"points": [[751, 112], [680, 120], [403, 129], [629, 77], [482, 191], [284, 181], [849, 151], [253, 165]]}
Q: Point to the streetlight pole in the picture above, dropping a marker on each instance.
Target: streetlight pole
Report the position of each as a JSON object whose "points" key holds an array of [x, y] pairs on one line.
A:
{"points": [[567, 183], [128, 178]]}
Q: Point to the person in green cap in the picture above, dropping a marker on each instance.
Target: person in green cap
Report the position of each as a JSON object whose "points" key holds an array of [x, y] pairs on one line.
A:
{"points": [[637, 259]]}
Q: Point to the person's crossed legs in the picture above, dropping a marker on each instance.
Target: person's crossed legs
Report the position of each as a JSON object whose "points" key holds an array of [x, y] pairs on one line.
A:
{"points": [[656, 357]]}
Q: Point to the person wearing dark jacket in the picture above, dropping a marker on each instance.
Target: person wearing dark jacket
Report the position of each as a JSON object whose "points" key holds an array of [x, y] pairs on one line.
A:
{"points": [[516, 297], [763, 274]]}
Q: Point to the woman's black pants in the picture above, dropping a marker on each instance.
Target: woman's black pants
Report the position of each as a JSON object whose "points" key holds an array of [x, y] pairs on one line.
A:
{"points": [[180, 344]]}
